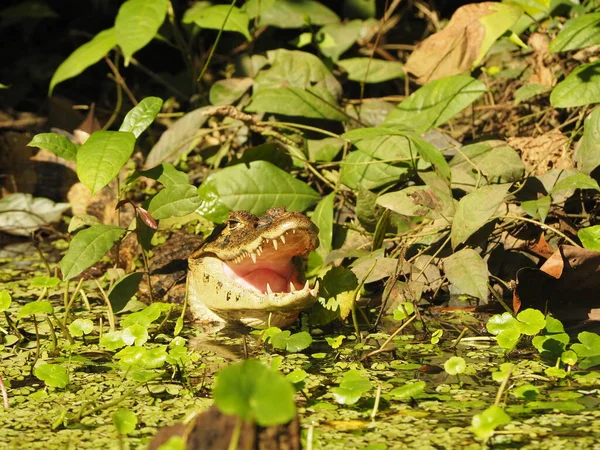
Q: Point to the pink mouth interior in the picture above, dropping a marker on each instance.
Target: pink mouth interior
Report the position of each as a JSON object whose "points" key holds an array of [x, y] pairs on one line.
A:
{"points": [[274, 267]]}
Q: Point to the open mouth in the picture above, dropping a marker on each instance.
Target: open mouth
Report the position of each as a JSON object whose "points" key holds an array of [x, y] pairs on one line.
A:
{"points": [[274, 266]]}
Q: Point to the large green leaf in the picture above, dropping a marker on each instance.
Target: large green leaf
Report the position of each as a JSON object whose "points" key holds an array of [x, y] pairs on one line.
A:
{"points": [[581, 87], [101, 158], [370, 70], [335, 38], [229, 90], [141, 116], [252, 391], [174, 201], [138, 22], [436, 102], [496, 24], [85, 56], [468, 272], [87, 248], [475, 209], [296, 102], [580, 32], [253, 187], [576, 181], [588, 153], [296, 69], [323, 218], [219, 16], [58, 144], [290, 13]]}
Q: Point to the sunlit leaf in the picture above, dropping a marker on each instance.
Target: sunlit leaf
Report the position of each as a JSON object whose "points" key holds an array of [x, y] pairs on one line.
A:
{"points": [[485, 423], [37, 307], [58, 144], [124, 420], [53, 375], [437, 102], [85, 56], [475, 209], [174, 201], [138, 22], [101, 158], [218, 17], [141, 116], [588, 153], [455, 365], [5, 300], [579, 32], [88, 247], [290, 13], [581, 87], [467, 270]]}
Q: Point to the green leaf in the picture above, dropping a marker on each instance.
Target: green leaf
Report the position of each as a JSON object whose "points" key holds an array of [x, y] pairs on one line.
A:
{"points": [[254, 187], [174, 201], [508, 339], [581, 87], [590, 345], [113, 340], [53, 375], [88, 247], [590, 237], [495, 25], [577, 181], [229, 90], [531, 322], [37, 307], [580, 32], [293, 343], [141, 116], [485, 423], [44, 282], [123, 290], [538, 209], [323, 219], [335, 38], [500, 322], [324, 150], [527, 392], [85, 56], [475, 209], [219, 16], [370, 70], [5, 301], [529, 91], [297, 69], [311, 103], [164, 173], [588, 153], [354, 384], [101, 158], [404, 310], [290, 13], [569, 357], [455, 365], [437, 102], [251, 390], [182, 137], [468, 272], [409, 390], [137, 23], [79, 327], [57, 143], [125, 420]]}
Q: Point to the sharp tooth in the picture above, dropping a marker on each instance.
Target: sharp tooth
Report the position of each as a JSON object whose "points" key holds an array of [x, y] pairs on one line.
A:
{"points": [[292, 287], [274, 241], [282, 237], [306, 285], [258, 251], [294, 231], [269, 290], [253, 256], [315, 289]]}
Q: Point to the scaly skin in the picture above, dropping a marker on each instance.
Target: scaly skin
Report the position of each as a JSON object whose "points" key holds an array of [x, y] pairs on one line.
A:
{"points": [[251, 270]]}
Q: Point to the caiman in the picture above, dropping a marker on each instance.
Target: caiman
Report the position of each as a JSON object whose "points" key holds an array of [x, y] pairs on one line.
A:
{"points": [[251, 270]]}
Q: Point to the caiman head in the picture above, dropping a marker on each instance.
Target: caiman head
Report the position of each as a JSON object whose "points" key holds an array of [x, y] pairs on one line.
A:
{"points": [[251, 269]]}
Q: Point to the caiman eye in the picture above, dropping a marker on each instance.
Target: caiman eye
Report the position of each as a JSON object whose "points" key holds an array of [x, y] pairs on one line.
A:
{"points": [[233, 224]]}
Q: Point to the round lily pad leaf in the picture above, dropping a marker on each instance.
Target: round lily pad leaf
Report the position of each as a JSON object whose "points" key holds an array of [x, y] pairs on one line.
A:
{"points": [[125, 420], [455, 365], [53, 375]]}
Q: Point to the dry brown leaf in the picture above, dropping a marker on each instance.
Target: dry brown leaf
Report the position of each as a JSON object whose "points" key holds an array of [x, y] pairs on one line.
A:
{"points": [[541, 73], [540, 154], [454, 49]]}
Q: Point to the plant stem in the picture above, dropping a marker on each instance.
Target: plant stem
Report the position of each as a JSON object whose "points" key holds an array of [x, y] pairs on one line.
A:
{"points": [[388, 340], [235, 436], [502, 387], [110, 313], [544, 227], [459, 338]]}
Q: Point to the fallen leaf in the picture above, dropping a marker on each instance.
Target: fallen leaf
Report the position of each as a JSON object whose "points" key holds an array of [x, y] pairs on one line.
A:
{"points": [[463, 43]]}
